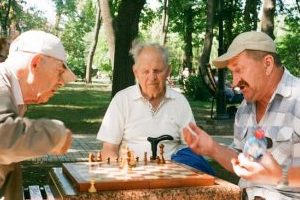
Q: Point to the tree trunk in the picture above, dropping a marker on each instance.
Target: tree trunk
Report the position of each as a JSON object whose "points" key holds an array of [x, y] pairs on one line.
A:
{"points": [[228, 20], [297, 3], [57, 21], [126, 31], [108, 28], [59, 5], [165, 22], [204, 66], [188, 49], [267, 22], [88, 75], [250, 15]]}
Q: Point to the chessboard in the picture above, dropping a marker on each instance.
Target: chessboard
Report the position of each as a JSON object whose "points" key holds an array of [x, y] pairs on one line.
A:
{"points": [[110, 176]]}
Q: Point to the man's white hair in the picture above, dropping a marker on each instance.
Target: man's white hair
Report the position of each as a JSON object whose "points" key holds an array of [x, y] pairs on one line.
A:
{"points": [[137, 48]]}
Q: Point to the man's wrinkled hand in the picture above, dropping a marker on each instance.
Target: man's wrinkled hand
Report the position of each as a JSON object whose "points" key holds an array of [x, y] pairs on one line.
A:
{"points": [[198, 140], [63, 148]]}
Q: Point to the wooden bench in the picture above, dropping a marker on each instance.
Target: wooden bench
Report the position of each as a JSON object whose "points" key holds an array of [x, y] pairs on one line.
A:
{"points": [[231, 105], [35, 192]]}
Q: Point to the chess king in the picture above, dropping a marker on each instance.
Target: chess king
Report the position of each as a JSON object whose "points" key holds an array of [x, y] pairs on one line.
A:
{"points": [[149, 109]]}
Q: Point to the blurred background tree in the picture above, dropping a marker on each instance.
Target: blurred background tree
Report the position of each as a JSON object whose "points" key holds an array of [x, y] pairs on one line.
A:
{"points": [[188, 28]]}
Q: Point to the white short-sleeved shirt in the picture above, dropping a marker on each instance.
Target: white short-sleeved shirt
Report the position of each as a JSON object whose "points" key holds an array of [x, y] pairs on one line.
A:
{"points": [[129, 121], [281, 123]]}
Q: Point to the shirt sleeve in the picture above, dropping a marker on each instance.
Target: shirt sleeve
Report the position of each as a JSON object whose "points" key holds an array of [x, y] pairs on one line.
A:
{"points": [[112, 126], [23, 138]]}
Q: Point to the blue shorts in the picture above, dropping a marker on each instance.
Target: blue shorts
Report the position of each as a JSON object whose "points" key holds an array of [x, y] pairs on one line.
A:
{"points": [[188, 157]]}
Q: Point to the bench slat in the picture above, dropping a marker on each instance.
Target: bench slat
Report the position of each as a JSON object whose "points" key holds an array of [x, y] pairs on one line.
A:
{"points": [[35, 193], [48, 192]]}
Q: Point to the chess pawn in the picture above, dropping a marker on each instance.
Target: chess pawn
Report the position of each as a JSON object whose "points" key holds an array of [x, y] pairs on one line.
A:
{"points": [[158, 161], [255, 145], [99, 156], [91, 157], [145, 158], [132, 161], [92, 188], [161, 147]]}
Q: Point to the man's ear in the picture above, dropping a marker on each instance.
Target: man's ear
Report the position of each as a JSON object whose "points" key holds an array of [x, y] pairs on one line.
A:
{"points": [[35, 62], [134, 70], [269, 64]]}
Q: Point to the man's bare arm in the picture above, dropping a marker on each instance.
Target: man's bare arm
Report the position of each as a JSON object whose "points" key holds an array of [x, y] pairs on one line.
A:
{"points": [[203, 144], [110, 150]]}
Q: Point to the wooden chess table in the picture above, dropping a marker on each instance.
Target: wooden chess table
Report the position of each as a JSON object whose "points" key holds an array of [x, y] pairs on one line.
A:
{"points": [[159, 181], [152, 175]]}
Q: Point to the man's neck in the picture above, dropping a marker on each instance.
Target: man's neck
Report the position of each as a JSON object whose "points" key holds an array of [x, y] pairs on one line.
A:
{"points": [[272, 85], [154, 100]]}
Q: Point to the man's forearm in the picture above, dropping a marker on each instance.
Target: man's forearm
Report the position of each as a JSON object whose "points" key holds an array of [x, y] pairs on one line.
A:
{"points": [[223, 155], [294, 176], [109, 150]]}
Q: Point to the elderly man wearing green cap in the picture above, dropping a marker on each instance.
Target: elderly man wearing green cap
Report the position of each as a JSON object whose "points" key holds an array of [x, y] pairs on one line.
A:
{"points": [[34, 69], [271, 102]]}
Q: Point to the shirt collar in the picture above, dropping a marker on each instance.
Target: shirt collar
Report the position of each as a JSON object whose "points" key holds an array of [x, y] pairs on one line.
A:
{"points": [[13, 83], [138, 93], [285, 85]]}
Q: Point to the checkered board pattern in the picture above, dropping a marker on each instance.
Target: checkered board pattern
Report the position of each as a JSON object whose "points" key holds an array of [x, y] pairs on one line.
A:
{"points": [[153, 175]]}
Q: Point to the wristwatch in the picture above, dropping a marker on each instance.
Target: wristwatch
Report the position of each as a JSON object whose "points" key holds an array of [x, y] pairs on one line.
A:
{"points": [[283, 181]]}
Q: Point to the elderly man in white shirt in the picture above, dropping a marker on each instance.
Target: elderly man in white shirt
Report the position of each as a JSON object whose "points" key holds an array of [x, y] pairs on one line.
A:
{"points": [[149, 109]]}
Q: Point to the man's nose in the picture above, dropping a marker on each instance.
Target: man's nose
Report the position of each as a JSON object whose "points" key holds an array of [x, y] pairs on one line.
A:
{"points": [[61, 81], [153, 75], [235, 80]]}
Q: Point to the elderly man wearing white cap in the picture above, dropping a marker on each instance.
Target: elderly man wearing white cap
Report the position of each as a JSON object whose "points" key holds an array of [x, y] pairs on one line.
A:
{"points": [[271, 102], [34, 70]]}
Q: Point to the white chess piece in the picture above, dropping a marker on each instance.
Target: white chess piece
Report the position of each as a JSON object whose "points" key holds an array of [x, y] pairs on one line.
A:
{"points": [[92, 188]]}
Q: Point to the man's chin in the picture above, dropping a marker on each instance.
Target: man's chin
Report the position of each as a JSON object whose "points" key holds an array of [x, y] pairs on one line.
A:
{"points": [[43, 100]]}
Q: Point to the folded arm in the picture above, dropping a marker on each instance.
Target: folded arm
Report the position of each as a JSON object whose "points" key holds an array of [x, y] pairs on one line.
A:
{"points": [[23, 138]]}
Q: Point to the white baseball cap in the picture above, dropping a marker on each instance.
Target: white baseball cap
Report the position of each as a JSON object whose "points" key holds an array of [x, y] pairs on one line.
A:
{"points": [[251, 40], [44, 43]]}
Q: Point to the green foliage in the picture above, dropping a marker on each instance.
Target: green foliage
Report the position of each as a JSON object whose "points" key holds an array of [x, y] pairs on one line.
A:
{"points": [[65, 7], [23, 19], [101, 59], [74, 34], [148, 17], [195, 89], [288, 46], [177, 18], [175, 51], [32, 19]]}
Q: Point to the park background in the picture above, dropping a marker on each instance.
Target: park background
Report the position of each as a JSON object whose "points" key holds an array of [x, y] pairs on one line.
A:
{"points": [[98, 34]]}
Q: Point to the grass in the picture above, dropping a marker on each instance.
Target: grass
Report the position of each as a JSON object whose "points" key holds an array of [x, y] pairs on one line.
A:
{"points": [[81, 107]]}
